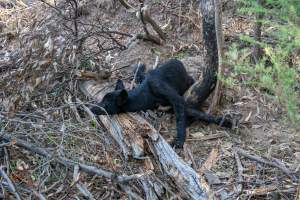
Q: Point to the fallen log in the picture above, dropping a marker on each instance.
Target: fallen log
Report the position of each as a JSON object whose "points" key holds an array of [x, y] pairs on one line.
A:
{"points": [[133, 129]]}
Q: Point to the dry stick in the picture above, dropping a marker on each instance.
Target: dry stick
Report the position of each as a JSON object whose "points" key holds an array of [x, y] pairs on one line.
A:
{"points": [[208, 137], [10, 184], [240, 171], [79, 185], [130, 192], [155, 26], [267, 191], [70, 163], [156, 62], [220, 45], [148, 188], [39, 195], [126, 4], [183, 175], [147, 35], [190, 154], [144, 15], [131, 40], [261, 160], [5, 144], [135, 75], [298, 192], [68, 100]]}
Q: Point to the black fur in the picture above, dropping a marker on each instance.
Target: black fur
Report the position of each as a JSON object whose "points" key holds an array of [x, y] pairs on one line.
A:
{"points": [[163, 86]]}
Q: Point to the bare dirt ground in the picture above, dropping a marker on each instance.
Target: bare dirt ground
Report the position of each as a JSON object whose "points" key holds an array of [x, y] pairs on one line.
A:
{"points": [[39, 88]]}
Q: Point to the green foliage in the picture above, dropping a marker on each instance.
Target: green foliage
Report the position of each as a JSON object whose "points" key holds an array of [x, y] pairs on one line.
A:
{"points": [[86, 63], [181, 54], [277, 79], [94, 122]]}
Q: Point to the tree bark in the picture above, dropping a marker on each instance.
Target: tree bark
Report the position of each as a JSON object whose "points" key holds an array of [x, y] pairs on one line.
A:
{"points": [[257, 51], [220, 44], [200, 91]]}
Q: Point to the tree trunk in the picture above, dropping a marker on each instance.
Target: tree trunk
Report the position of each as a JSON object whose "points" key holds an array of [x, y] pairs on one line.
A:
{"points": [[220, 43], [199, 92], [257, 51]]}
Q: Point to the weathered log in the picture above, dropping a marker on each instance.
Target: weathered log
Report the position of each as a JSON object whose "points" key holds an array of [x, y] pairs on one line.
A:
{"points": [[133, 129]]}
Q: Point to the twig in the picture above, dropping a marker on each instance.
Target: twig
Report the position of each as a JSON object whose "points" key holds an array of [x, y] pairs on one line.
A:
{"points": [[267, 190], [131, 40], [79, 185], [148, 188], [135, 75], [298, 192], [156, 62], [10, 184], [126, 4], [190, 154], [70, 163], [68, 100], [39, 195], [145, 17], [101, 172], [208, 137], [155, 26], [130, 192], [149, 37], [239, 166], [261, 160], [240, 170], [5, 144]]}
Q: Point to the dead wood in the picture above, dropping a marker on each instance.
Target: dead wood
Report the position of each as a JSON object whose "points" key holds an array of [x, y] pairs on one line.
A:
{"points": [[298, 192], [33, 148], [10, 184], [155, 26], [264, 161], [208, 137], [268, 190], [210, 161], [135, 128], [148, 189], [81, 187], [143, 14], [240, 170], [126, 4], [114, 124]]}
